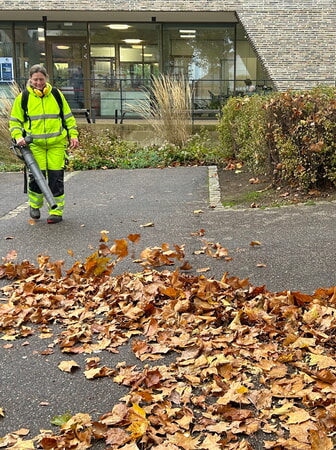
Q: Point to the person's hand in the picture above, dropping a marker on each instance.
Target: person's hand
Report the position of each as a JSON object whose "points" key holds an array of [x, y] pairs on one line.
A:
{"points": [[21, 142], [74, 143]]}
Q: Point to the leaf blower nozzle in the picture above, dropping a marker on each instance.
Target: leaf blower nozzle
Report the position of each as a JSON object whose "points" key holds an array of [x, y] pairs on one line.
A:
{"points": [[26, 154]]}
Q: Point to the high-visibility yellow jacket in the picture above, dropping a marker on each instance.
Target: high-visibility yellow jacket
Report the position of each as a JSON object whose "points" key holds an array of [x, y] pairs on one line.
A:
{"points": [[44, 123]]}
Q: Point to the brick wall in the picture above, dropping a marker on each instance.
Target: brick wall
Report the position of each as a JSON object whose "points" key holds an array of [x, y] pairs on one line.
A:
{"points": [[295, 40]]}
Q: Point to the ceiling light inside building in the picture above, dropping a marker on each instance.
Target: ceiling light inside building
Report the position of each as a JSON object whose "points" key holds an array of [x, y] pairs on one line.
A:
{"points": [[187, 36], [63, 47], [188, 31], [118, 26], [132, 41]]}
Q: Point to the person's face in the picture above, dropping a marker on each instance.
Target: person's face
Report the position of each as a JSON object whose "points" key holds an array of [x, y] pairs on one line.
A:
{"points": [[38, 80]]}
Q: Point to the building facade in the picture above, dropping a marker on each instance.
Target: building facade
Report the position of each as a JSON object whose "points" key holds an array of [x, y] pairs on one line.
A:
{"points": [[101, 53]]}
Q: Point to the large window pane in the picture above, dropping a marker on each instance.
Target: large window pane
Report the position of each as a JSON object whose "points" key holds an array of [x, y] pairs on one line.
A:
{"points": [[30, 48], [6, 39], [66, 29], [6, 61], [130, 57], [203, 54], [248, 66]]}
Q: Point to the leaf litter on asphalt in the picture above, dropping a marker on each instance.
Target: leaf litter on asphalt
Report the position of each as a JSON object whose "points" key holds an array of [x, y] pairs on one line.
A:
{"points": [[253, 369]]}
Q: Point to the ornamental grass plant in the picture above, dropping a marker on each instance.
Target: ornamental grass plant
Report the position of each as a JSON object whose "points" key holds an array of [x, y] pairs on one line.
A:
{"points": [[8, 161], [167, 109]]}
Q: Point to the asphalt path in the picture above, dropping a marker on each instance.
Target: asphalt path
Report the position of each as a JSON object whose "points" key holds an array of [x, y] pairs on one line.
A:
{"points": [[296, 251]]}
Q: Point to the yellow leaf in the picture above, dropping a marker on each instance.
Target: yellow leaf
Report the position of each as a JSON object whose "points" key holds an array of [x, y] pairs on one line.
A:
{"points": [[323, 362], [2, 412], [7, 337], [242, 390], [104, 237], [283, 410], [139, 423]]}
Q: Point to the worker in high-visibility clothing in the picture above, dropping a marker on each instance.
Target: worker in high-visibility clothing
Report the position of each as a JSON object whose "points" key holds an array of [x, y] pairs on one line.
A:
{"points": [[52, 135]]}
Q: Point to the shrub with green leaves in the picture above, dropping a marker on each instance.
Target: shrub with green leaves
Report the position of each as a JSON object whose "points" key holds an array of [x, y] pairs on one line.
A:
{"points": [[107, 150], [301, 136], [242, 129], [289, 135], [98, 150]]}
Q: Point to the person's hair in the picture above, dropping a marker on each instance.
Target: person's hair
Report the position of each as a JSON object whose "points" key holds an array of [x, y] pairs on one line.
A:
{"points": [[37, 68]]}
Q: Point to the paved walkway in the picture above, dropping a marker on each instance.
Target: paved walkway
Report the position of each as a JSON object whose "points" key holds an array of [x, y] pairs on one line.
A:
{"points": [[298, 245], [297, 252]]}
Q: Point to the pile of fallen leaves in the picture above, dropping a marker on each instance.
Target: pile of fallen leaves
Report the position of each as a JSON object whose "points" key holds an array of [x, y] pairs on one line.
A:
{"points": [[253, 369]]}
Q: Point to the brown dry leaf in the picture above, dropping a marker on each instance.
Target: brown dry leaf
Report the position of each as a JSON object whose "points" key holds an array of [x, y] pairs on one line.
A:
{"points": [[204, 269], [254, 180], [184, 440], [98, 372], [2, 412], [201, 232], [298, 415], [68, 366], [239, 356], [320, 440], [135, 238], [254, 243], [186, 266], [11, 256], [22, 432], [120, 248], [212, 442]]}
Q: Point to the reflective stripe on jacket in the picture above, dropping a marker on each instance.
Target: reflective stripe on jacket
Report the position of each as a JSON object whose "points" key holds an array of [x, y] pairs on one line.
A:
{"points": [[44, 123]]}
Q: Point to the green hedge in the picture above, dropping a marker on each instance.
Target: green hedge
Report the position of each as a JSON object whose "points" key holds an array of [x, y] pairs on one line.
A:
{"points": [[289, 135]]}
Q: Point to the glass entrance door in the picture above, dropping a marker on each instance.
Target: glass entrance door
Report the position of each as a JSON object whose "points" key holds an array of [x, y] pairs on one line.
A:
{"points": [[68, 69]]}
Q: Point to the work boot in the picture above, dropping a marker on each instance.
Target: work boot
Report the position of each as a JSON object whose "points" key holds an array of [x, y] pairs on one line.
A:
{"points": [[54, 219], [34, 213]]}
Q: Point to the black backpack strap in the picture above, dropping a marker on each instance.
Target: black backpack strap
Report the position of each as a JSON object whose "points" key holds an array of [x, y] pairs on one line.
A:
{"points": [[24, 103], [56, 93]]}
